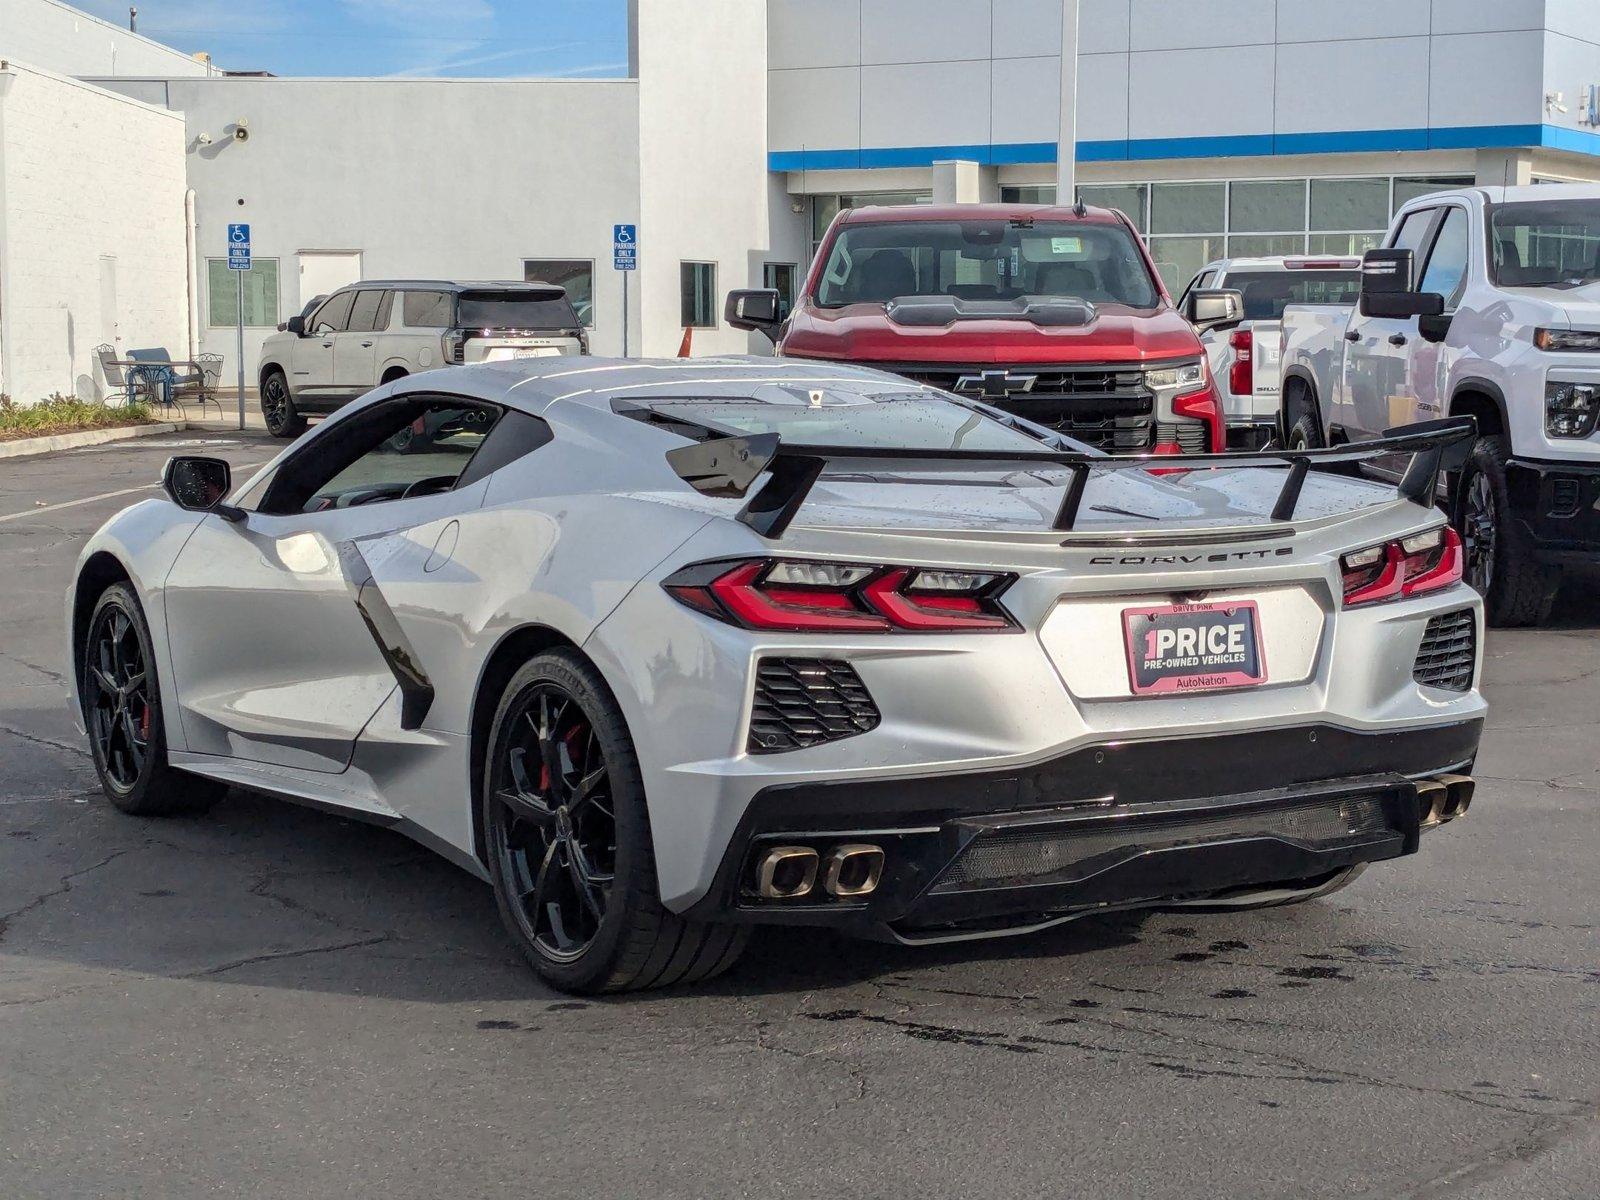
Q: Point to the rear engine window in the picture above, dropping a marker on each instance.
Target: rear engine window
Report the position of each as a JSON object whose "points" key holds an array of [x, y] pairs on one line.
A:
{"points": [[516, 310], [914, 423]]}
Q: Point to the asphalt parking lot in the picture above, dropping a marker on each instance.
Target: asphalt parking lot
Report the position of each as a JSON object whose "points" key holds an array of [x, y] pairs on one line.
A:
{"points": [[273, 1001]]}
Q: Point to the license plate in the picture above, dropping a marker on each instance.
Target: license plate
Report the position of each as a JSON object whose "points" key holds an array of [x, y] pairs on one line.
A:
{"points": [[535, 352], [1179, 648]]}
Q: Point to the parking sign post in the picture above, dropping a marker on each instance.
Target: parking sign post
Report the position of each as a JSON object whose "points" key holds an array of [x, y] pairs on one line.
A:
{"points": [[239, 263], [625, 258]]}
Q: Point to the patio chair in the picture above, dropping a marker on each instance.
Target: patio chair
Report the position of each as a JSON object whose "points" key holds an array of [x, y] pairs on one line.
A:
{"points": [[117, 378], [172, 377]]}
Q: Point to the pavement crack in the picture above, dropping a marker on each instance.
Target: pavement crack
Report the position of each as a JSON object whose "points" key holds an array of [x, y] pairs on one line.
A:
{"points": [[43, 741], [62, 888], [276, 955], [54, 676]]}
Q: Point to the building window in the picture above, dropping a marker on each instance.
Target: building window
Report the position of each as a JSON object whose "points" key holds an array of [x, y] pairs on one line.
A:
{"points": [[1130, 199], [1030, 195], [697, 290], [1188, 207], [574, 274], [260, 294], [1407, 189], [1179, 259], [780, 278]]}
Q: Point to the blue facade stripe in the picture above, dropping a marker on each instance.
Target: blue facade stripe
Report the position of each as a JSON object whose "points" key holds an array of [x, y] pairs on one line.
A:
{"points": [[1354, 141]]}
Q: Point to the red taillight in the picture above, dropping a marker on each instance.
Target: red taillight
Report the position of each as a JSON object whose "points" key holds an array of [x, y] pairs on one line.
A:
{"points": [[1241, 376], [1413, 566], [806, 597], [1204, 406]]}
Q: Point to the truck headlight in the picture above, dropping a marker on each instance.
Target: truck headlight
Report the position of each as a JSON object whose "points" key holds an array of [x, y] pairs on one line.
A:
{"points": [[1184, 375], [1567, 339], [1570, 409]]}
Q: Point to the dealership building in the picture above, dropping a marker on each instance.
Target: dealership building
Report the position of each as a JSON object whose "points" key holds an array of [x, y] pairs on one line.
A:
{"points": [[742, 127]]}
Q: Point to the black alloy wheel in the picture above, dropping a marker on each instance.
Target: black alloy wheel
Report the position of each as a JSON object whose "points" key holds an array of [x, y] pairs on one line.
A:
{"points": [[557, 837], [567, 840], [1478, 532], [117, 683], [121, 696], [277, 407]]}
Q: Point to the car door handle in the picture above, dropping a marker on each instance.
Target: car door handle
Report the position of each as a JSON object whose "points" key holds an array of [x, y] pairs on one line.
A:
{"points": [[1397, 339], [366, 345], [1352, 335], [328, 345]]}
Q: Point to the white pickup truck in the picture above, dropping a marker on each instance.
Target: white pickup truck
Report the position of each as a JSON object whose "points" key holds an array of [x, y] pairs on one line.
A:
{"points": [[1484, 301], [1244, 356]]}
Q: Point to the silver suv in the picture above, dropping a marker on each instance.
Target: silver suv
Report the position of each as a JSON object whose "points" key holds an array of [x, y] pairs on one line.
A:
{"points": [[379, 330]]}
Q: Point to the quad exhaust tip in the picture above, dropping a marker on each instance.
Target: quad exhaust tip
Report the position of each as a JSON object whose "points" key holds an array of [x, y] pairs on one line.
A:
{"points": [[850, 871], [1443, 798]]}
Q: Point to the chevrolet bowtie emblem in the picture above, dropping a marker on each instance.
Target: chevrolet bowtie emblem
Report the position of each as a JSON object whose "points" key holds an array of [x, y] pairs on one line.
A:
{"points": [[995, 385]]}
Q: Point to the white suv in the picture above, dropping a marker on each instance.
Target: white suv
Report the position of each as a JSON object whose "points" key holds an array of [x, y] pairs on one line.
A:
{"points": [[382, 329]]}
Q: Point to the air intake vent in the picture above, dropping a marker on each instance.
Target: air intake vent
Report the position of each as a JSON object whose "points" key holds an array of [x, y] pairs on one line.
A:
{"points": [[1449, 647], [1193, 436], [803, 702], [1566, 496]]}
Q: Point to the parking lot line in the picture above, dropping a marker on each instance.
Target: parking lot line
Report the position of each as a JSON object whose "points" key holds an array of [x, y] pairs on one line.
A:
{"points": [[44, 508]]}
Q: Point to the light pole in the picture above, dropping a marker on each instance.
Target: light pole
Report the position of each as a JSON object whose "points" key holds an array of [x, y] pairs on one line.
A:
{"points": [[1067, 144]]}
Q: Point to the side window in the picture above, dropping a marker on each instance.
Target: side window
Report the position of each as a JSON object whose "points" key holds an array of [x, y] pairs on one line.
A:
{"points": [[416, 445], [1202, 280], [426, 310], [1412, 232], [1447, 261], [334, 315], [364, 312]]}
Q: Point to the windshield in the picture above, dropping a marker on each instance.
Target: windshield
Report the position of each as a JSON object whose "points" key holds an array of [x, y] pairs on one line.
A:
{"points": [[913, 423], [986, 260], [1268, 293], [515, 310], [1546, 243]]}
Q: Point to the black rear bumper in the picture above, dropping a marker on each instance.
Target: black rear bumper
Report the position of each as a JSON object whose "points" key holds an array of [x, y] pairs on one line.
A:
{"points": [[1558, 507], [1118, 825]]}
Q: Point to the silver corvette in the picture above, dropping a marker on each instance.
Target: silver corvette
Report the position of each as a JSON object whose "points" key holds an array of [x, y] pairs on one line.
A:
{"points": [[665, 649]]}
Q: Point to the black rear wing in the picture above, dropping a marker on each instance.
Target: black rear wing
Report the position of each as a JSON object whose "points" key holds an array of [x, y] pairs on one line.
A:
{"points": [[729, 466]]}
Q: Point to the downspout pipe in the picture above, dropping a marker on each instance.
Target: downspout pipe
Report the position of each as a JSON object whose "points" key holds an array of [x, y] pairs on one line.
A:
{"points": [[191, 273]]}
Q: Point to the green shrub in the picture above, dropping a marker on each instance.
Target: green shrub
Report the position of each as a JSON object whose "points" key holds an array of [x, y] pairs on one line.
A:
{"points": [[64, 414]]}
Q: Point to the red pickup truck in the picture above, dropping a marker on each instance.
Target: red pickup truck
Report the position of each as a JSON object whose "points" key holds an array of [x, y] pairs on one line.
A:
{"points": [[1054, 314]]}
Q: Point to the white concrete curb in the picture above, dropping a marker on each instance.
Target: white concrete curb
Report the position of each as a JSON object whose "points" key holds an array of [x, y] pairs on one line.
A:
{"points": [[89, 437]]}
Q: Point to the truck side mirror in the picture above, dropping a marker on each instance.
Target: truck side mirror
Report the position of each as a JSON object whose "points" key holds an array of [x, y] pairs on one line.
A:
{"points": [[755, 309], [1388, 287], [1211, 308], [295, 325]]}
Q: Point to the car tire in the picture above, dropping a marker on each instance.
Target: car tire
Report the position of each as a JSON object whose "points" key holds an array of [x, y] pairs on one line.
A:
{"points": [[122, 714], [1517, 589], [575, 883], [277, 407], [1301, 429]]}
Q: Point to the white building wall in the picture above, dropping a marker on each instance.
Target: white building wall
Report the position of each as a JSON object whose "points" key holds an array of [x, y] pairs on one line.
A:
{"points": [[426, 178], [705, 193], [91, 192], [60, 38]]}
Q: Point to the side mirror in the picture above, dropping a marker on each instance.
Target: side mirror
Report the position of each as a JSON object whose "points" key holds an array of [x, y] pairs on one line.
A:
{"points": [[1209, 308], [1388, 286], [755, 309], [295, 325], [198, 484]]}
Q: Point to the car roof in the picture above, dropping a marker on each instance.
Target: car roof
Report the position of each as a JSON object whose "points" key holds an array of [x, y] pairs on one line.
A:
{"points": [[534, 384], [877, 214], [455, 285], [1280, 262]]}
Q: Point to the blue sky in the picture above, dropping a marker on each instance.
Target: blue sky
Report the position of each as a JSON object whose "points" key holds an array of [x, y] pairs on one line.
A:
{"points": [[391, 37]]}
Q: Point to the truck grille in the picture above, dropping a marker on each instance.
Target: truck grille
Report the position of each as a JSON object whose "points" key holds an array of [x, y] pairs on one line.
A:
{"points": [[803, 702], [1449, 648], [1110, 410]]}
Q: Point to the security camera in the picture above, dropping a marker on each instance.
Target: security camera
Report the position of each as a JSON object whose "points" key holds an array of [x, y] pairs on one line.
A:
{"points": [[240, 133]]}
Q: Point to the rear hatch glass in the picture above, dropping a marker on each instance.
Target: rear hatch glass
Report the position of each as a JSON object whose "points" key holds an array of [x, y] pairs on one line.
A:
{"points": [[534, 310]]}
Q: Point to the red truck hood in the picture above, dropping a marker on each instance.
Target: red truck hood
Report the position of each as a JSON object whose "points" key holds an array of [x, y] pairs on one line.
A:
{"points": [[863, 333]]}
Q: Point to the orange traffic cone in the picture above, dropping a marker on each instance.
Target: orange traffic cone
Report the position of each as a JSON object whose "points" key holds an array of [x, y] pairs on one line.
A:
{"points": [[684, 346]]}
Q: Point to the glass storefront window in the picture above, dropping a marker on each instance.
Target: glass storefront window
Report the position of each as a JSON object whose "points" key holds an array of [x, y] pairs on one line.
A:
{"points": [[1179, 259], [1408, 189], [1266, 205], [1254, 245], [1128, 198], [1187, 207], [825, 208], [1028, 195], [1349, 203], [1344, 244], [260, 294]]}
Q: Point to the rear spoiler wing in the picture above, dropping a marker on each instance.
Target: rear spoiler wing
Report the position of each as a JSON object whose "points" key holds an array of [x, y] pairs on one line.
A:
{"points": [[729, 466]]}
